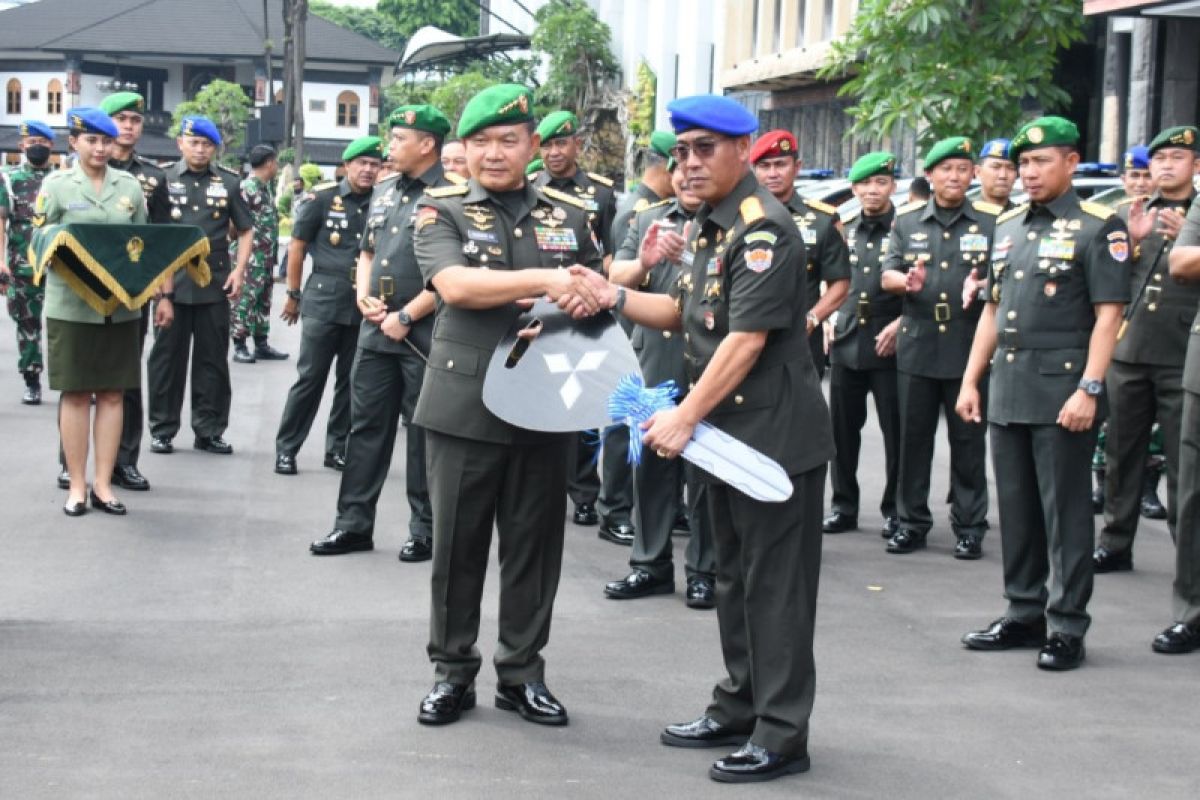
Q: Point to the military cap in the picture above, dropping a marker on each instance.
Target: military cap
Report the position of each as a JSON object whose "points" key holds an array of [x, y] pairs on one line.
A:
{"points": [[954, 147], [558, 125], [502, 104], [711, 112], [1137, 157], [34, 127], [996, 148], [200, 126], [123, 101], [534, 166], [661, 142], [261, 154], [420, 118], [369, 146], [772, 144], [85, 119], [872, 164], [1043, 132], [1179, 136]]}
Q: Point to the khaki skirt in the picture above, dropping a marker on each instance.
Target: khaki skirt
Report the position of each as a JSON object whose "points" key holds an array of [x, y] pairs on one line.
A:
{"points": [[84, 357]]}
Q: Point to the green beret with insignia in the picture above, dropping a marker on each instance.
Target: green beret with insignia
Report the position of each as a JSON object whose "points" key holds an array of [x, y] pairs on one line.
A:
{"points": [[1043, 132], [662, 142], [1179, 136], [872, 164], [557, 125], [502, 104], [123, 101], [534, 166], [420, 118], [954, 147], [371, 146]]}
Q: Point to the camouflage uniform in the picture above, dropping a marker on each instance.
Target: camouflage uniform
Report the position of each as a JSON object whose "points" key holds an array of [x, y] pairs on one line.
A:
{"points": [[18, 190], [252, 310]]}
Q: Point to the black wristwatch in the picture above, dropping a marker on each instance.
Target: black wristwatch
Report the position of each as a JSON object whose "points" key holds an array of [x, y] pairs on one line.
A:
{"points": [[168, 296], [1091, 387], [295, 294], [619, 303], [405, 318]]}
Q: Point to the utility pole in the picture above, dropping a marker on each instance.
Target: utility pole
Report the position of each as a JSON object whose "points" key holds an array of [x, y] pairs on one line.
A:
{"points": [[267, 48], [300, 9]]}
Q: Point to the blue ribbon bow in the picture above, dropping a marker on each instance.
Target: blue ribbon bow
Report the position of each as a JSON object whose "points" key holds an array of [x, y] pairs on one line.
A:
{"points": [[632, 403]]}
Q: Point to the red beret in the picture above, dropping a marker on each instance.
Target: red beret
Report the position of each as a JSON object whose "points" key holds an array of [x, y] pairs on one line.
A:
{"points": [[772, 144]]}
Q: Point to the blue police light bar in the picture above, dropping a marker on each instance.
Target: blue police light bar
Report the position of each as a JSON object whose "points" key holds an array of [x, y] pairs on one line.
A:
{"points": [[1096, 168], [815, 174]]}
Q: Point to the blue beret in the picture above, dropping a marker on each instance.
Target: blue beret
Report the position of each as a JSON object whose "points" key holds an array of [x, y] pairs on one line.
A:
{"points": [[1137, 157], [996, 148], [85, 119], [711, 112], [200, 126], [33, 127]]}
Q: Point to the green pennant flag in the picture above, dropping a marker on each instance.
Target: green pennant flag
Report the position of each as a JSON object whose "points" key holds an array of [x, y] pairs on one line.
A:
{"points": [[113, 265]]}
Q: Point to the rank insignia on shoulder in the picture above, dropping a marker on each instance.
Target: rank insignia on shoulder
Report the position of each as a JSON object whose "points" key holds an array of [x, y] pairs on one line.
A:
{"points": [[563, 197], [908, 208], [446, 191], [820, 206], [1097, 210], [751, 210], [601, 179], [1013, 212], [986, 207]]}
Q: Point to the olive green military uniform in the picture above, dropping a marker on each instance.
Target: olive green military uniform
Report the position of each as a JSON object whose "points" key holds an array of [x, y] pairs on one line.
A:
{"points": [[211, 200], [1186, 589], [739, 275], [483, 471], [331, 224], [388, 374], [1145, 383], [1050, 265], [931, 353], [657, 481], [858, 370], [827, 259]]}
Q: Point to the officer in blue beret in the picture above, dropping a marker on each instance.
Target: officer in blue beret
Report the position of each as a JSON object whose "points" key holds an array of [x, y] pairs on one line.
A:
{"points": [[996, 174], [1135, 172]]}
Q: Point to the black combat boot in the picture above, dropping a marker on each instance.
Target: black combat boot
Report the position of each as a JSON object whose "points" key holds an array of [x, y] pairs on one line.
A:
{"points": [[1152, 507], [241, 354]]}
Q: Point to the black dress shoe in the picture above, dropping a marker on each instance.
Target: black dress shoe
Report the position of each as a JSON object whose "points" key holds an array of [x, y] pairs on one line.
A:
{"points": [[906, 540], [1061, 652], [1005, 634], [338, 542], [1105, 560], [890, 526], [416, 550], [682, 526], [702, 732], [638, 583], [837, 522], [285, 464], [63, 480], [127, 476], [1177, 639], [240, 354], [969, 548], [264, 352], [161, 444], [700, 592], [75, 509], [618, 533], [335, 461], [107, 506], [32, 396], [585, 514], [752, 764], [445, 703], [213, 444], [532, 701]]}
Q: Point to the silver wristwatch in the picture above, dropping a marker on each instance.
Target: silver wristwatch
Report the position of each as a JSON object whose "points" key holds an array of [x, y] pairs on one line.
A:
{"points": [[1091, 387]]}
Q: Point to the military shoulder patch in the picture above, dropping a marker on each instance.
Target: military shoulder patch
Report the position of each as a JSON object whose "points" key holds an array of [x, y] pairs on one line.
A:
{"points": [[908, 208], [562, 197], [601, 179], [765, 237], [986, 207], [454, 178], [819, 206], [751, 210], [1097, 210], [320, 187], [446, 191], [1012, 212]]}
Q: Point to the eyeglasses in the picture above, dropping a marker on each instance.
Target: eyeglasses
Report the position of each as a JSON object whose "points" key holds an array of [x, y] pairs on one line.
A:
{"points": [[703, 148]]}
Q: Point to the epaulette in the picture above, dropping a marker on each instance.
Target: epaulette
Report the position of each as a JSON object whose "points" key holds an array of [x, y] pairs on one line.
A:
{"points": [[533, 176], [563, 197], [232, 172], [601, 179], [658, 203], [446, 191], [1012, 212], [641, 205], [910, 207], [819, 206], [1097, 210], [395, 176], [1127, 201], [751, 210], [454, 178], [320, 187], [986, 207]]}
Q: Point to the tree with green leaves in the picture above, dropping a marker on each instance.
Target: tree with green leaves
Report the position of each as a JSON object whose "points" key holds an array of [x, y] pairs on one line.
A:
{"points": [[460, 17], [952, 67], [369, 22], [578, 47], [226, 104]]}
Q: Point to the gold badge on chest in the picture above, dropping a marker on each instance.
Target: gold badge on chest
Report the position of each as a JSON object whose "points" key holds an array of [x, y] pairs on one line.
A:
{"points": [[481, 216]]}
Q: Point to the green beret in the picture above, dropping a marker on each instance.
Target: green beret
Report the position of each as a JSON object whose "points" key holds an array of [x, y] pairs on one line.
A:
{"points": [[1179, 136], [419, 118], [1043, 132], [872, 164], [371, 146], [123, 101], [661, 142], [502, 104], [534, 166], [557, 125], [954, 147]]}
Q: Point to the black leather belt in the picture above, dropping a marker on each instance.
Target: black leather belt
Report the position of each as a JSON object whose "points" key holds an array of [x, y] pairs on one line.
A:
{"points": [[1013, 339]]}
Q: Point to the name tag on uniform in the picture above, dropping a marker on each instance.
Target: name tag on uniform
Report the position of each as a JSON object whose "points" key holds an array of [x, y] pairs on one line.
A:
{"points": [[688, 258], [1056, 248], [79, 205], [217, 190], [973, 243], [592, 205], [555, 239], [484, 236], [809, 235]]}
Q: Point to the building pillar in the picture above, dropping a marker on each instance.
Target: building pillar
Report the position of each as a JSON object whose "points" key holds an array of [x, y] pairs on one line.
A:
{"points": [[1116, 90], [1142, 50]]}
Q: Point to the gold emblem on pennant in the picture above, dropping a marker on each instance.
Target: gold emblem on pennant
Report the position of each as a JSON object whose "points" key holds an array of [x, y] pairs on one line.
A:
{"points": [[134, 248]]}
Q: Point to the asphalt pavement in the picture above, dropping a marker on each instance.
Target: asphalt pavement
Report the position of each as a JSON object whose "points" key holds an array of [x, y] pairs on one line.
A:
{"points": [[194, 649]]}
